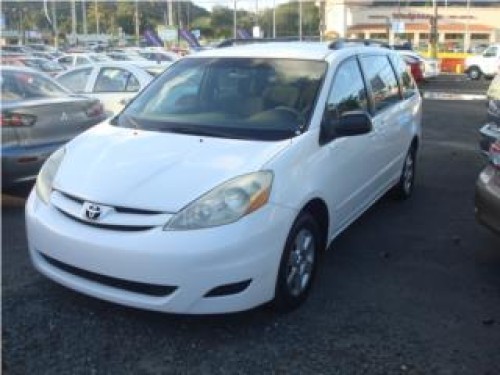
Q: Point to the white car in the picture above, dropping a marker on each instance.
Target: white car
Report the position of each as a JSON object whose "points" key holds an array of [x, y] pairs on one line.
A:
{"points": [[486, 64], [75, 59], [431, 68], [220, 185], [113, 83]]}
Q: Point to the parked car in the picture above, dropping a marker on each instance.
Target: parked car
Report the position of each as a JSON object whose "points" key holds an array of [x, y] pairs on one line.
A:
{"points": [[113, 83], [416, 65], [43, 65], [38, 116], [159, 56], [423, 68], [490, 132], [15, 48], [220, 185], [488, 191], [75, 59], [125, 56], [485, 64]]}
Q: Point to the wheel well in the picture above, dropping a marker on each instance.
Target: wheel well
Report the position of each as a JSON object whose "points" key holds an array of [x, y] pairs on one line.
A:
{"points": [[317, 208]]}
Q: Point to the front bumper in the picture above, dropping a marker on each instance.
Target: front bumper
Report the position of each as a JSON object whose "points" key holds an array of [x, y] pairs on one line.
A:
{"points": [[488, 198], [192, 263]]}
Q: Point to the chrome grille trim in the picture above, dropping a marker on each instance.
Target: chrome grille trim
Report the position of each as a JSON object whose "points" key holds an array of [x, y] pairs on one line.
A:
{"points": [[115, 218]]}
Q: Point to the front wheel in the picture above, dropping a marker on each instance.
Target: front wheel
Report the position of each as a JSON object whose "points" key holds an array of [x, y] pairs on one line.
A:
{"points": [[298, 263], [404, 188], [474, 73]]}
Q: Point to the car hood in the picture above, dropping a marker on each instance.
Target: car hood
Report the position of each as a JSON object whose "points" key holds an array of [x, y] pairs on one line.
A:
{"points": [[156, 171]]}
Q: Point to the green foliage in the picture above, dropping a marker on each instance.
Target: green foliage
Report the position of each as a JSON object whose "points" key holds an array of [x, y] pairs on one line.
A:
{"points": [[121, 14]]}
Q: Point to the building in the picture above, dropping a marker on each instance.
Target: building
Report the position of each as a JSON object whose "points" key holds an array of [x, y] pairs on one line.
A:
{"points": [[462, 25]]}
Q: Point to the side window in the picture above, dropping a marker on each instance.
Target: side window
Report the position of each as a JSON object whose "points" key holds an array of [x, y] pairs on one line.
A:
{"points": [[75, 80], [490, 52], [112, 80], [381, 81], [408, 87], [348, 92], [68, 60], [133, 84], [81, 60]]}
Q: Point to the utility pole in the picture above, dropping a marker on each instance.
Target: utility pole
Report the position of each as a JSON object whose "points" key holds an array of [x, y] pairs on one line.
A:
{"points": [[136, 17], [434, 30], [300, 19], [84, 17], [322, 22], [73, 21], [96, 14], [274, 18], [234, 20], [170, 12], [54, 24], [467, 31]]}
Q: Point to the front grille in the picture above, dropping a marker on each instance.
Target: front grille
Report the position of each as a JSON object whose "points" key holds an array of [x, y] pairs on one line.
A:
{"points": [[117, 218], [154, 290], [121, 209], [124, 228]]}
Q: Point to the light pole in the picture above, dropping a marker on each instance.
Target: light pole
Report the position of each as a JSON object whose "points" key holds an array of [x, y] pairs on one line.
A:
{"points": [[434, 30], [274, 19], [73, 21], [84, 17], [467, 32], [96, 14], [234, 20], [136, 17], [300, 19]]}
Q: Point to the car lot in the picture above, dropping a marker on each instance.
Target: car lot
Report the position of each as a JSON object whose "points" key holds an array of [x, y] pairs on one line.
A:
{"points": [[409, 288]]}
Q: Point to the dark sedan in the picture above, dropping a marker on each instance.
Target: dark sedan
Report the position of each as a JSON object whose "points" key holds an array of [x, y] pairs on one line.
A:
{"points": [[490, 132], [488, 191], [38, 116]]}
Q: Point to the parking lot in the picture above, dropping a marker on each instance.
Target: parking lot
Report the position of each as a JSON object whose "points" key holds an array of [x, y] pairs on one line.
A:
{"points": [[411, 287]]}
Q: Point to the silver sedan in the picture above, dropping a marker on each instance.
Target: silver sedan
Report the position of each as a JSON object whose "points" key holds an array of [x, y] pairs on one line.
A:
{"points": [[113, 83]]}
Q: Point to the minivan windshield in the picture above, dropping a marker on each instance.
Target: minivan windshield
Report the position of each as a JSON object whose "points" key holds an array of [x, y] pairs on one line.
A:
{"points": [[246, 98]]}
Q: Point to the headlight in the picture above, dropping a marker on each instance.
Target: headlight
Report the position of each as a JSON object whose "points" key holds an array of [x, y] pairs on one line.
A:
{"points": [[226, 203], [47, 174]]}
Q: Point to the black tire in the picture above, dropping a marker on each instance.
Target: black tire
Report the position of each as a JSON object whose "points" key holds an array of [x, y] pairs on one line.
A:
{"points": [[474, 73], [404, 188], [298, 264]]}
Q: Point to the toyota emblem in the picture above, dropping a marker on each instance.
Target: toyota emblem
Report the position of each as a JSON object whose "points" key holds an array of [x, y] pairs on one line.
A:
{"points": [[92, 211]]}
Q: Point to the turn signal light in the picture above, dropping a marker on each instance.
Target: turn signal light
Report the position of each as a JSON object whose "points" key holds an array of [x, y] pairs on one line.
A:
{"points": [[10, 119]]}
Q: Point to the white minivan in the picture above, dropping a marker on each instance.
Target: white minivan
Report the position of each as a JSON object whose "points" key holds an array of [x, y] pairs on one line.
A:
{"points": [[219, 186]]}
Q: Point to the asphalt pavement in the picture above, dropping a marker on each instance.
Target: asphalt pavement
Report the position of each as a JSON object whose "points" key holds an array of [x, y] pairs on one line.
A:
{"points": [[409, 288]]}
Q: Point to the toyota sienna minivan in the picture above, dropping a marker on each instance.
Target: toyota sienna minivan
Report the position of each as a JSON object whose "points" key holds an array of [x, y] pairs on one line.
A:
{"points": [[220, 185]]}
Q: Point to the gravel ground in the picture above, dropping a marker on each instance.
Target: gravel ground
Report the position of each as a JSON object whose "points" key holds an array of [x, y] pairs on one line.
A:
{"points": [[410, 288]]}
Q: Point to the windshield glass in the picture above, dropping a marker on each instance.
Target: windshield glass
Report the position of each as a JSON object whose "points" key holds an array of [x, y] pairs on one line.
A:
{"points": [[20, 85], [99, 58], [230, 97]]}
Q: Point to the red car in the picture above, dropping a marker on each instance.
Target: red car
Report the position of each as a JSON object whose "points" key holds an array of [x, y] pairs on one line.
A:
{"points": [[416, 66]]}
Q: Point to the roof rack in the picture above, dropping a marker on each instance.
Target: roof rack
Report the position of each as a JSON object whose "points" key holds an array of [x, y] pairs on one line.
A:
{"points": [[343, 43], [244, 41]]}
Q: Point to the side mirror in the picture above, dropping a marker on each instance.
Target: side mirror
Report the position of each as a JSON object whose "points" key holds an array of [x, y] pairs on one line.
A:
{"points": [[349, 124]]}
